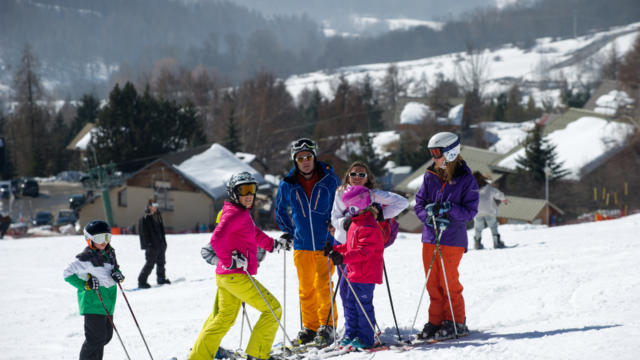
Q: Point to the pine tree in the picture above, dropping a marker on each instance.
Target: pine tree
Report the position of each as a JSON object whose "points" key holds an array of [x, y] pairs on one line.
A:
{"points": [[232, 139], [87, 113], [538, 154], [372, 106], [368, 155]]}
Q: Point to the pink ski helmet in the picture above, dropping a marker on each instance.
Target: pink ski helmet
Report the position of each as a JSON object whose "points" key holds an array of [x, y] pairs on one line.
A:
{"points": [[356, 198]]}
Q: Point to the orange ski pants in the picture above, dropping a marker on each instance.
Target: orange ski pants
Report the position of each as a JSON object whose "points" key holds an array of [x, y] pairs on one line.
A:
{"points": [[313, 288], [439, 308]]}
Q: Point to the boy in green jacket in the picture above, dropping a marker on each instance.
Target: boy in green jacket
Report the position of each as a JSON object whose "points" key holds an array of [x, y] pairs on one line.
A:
{"points": [[94, 271]]}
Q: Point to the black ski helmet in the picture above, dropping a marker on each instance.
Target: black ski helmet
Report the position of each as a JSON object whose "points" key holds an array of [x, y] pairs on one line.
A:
{"points": [[97, 231], [303, 144]]}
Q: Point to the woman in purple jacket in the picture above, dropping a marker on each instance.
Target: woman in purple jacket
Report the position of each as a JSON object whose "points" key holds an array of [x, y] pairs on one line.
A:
{"points": [[447, 199]]}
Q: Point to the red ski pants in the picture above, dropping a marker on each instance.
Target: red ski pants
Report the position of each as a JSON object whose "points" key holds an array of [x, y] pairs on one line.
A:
{"points": [[439, 308]]}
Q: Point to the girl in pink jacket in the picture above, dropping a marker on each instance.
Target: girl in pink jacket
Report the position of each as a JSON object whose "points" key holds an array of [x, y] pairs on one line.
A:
{"points": [[362, 253], [235, 241]]}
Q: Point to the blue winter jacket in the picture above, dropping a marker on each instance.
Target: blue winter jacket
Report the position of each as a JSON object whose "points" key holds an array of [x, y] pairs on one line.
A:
{"points": [[461, 192], [309, 218]]}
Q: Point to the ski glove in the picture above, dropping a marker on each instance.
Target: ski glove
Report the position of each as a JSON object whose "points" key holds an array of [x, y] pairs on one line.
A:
{"points": [[327, 249], [379, 215], [346, 224], [238, 261], [437, 209], [283, 242], [442, 223], [117, 276], [336, 257], [92, 283], [209, 255]]}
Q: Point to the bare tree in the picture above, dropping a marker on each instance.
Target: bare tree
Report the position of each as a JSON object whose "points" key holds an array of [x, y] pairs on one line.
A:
{"points": [[473, 72]]}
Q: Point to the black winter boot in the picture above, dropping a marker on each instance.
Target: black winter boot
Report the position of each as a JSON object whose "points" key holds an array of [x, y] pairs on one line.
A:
{"points": [[478, 243], [447, 331], [305, 336], [162, 281], [325, 336], [497, 243]]}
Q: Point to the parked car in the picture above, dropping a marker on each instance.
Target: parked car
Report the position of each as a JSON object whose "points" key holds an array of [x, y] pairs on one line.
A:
{"points": [[5, 189], [76, 200], [43, 218], [66, 217], [29, 187]]}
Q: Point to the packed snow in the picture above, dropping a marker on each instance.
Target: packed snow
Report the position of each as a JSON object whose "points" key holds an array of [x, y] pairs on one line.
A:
{"points": [[415, 113], [583, 144], [569, 292]]}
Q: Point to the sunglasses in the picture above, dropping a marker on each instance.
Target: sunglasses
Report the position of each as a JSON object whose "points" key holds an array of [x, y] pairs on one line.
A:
{"points": [[246, 189], [436, 153], [103, 238], [302, 159], [356, 174]]}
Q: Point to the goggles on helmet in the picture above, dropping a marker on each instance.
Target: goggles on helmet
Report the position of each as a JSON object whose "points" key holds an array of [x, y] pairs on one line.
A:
{"points": [[103, 238], [354, 210], [436, 153], [246, 189], [304, 144]]}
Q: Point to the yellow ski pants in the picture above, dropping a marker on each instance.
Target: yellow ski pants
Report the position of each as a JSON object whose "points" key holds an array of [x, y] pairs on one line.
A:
{"points": [[233, 289], [314, 276]]}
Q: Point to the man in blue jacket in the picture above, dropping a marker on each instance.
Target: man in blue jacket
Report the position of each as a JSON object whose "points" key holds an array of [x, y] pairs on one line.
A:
{"points": [[303, 211]]}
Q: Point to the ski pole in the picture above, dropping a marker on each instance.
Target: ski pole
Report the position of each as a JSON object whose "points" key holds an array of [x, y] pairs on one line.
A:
{"points": [[134, 319], [269, 306], [245, 316], [364, 312], [284, 290], [332, 298], [112, 324], [444, 274], [386, 279], [433, 257], [335, 291]]}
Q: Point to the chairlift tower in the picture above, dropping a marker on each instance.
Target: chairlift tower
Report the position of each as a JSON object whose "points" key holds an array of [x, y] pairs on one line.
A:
{"points": [[103, 178]]}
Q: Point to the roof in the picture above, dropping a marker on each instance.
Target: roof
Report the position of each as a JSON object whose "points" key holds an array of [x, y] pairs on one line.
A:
{"points": [[82, 138], [523, 208], [476, 158], [605, 87]]}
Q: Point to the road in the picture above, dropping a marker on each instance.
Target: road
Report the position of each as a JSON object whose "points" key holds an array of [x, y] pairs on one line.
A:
{"points": [[53, 197]]}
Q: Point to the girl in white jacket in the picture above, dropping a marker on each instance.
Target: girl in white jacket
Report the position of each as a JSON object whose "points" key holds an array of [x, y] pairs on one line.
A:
{"points": [[487, 211], [359, 174]]}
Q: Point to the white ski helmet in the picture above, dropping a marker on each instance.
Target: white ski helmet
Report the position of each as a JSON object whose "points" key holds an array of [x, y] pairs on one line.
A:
{"points": [[241, 178], [445, 144]]}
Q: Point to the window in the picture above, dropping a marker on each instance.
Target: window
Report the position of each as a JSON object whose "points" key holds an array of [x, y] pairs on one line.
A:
{"points": [[122, 198]]}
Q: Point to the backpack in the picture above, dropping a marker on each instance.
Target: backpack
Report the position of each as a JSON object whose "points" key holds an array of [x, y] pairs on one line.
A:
{"points": [[389, 228]]}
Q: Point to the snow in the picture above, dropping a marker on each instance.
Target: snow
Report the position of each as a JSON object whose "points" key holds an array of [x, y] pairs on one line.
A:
{"points": [[455, 114], [212, 168], [505, 66], [414, 113], [581, 144], [380, 142], [569, 292], [609, 104], [505, 136]]}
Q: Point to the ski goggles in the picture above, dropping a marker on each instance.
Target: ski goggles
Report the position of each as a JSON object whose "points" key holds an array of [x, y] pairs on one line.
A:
{"points": [[436, 153], [303, 144], [301, 159], [99, 239], [357, 174], [246, 189], [354, 210]]}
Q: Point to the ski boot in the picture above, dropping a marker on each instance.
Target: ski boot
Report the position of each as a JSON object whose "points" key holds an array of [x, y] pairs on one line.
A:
{"points": [[325, 336], [305, 336], [428, 332], [162, 281], [447, 330], [497, 243]]}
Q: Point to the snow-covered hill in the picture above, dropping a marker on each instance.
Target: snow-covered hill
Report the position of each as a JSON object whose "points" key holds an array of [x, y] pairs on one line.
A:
{"points": [[569, 292], [576, 60]]}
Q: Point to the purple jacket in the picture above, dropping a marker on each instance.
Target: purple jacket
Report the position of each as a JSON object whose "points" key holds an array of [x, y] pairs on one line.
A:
{"points": [[462, 193]]}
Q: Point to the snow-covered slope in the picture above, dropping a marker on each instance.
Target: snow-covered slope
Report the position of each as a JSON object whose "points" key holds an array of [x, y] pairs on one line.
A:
{"points": [[550, 59], [568, 292]]}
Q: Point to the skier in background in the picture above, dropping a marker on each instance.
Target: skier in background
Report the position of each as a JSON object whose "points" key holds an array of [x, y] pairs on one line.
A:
{"points": [[487, 212]]}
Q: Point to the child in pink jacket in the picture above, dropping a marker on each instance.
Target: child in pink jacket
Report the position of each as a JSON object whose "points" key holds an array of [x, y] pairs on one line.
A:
{"points": [[362, 253], [235, 241]]}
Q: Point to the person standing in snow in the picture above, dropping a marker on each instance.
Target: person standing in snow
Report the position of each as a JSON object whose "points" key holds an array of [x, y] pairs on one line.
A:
{"points": [[235, 243], [308, 192], [154, 242], [362, 254], [448, 197], [95, 271], [386, 204], [487, 212]]}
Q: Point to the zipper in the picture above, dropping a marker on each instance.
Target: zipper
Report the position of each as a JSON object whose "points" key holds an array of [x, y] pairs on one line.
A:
{"points": [[301, 206]]}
